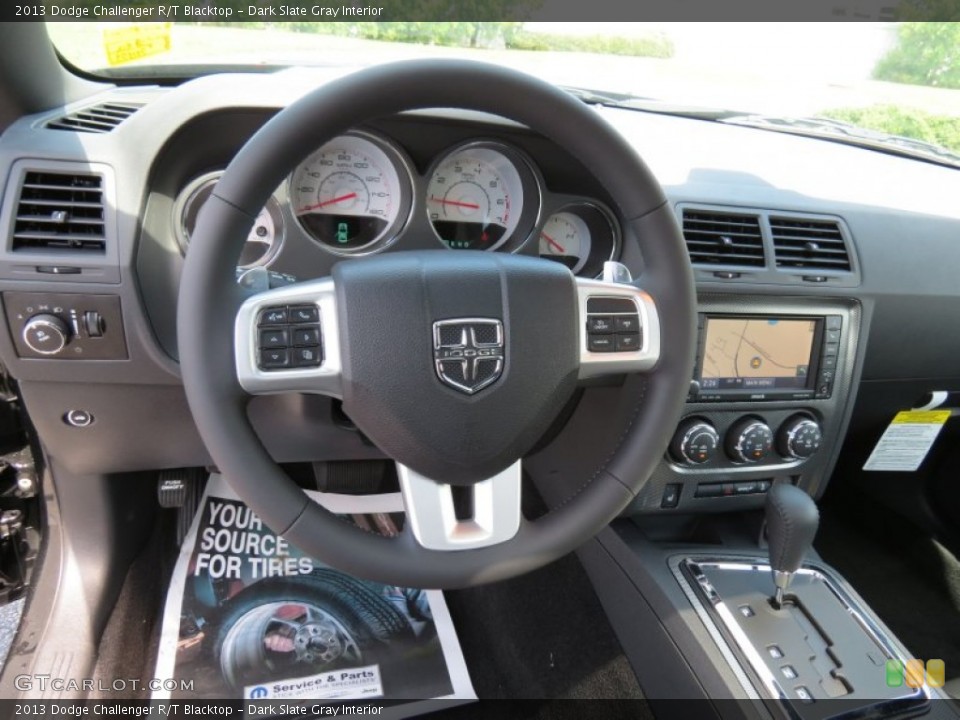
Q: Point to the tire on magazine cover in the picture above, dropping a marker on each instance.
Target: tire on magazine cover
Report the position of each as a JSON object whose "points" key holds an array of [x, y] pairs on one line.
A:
{"points": [[358, 605]]}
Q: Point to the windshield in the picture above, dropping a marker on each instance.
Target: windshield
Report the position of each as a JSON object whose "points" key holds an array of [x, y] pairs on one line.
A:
{"points": [[898, 79]]}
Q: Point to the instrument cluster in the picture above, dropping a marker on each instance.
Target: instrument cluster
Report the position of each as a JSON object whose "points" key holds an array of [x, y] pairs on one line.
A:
{"points": [[360, 192]]}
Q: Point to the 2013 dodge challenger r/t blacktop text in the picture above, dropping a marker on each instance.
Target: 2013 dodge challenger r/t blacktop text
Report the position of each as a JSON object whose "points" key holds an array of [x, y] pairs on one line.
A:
{"points": [[486, 359]]}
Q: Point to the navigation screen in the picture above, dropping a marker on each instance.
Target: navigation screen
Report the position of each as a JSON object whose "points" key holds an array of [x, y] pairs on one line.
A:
{"points": [[756, 353]]}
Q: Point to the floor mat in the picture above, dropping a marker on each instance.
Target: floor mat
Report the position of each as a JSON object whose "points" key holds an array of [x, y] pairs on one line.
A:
{"points": [[911, 582]]}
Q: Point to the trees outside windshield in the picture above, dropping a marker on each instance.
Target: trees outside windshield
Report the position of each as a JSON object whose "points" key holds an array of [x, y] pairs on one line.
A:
{"points": [[901, 78]]}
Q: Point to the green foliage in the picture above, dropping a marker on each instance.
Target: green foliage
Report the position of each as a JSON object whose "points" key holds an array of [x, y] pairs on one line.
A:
{"points": [[652, 46], [926, 53], [938, 129]]}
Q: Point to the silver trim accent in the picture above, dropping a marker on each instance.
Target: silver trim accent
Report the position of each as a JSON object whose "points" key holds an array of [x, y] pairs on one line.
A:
{"points": [[594, 364], [708, 597], [433, 522], [57, 327], [468, 352], [322, 380]]}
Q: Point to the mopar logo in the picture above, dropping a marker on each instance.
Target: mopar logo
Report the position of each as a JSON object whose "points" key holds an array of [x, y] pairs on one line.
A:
{"points": [[468, 352], [258, 692]]}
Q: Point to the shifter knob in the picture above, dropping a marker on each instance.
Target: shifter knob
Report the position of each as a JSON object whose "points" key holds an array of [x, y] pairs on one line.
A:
{"points": [[792, 520]]}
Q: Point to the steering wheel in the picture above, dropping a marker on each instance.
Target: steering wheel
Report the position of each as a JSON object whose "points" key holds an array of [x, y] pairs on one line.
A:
{"points": [[453, 363]]}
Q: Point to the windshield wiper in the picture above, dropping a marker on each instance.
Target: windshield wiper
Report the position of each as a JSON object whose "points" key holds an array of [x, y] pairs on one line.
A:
{"points": [[842, 132]]}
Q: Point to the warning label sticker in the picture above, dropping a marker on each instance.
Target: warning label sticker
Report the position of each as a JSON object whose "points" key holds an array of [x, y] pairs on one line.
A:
{"points": [[906, 442]]}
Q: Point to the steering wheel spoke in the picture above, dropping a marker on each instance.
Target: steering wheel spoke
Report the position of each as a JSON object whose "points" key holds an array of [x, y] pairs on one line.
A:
{"points": [[493, 510], [619, 328], [287, 340]]}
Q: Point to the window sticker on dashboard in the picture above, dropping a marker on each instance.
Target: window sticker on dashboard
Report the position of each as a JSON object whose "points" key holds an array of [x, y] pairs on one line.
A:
{"points": [[906, 442]]}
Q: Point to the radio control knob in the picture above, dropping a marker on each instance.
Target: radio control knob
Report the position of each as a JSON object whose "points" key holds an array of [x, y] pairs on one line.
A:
{"points": [[46, 334], [749, 440], [799, 437], [695, 442]]}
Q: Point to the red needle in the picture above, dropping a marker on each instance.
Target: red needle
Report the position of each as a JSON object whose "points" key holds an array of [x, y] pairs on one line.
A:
{"points": [[472, 206], [348, 196], [553, 242]]}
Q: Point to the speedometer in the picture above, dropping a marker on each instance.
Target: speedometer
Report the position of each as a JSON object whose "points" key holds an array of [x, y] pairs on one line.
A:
{"points": [[349, 194], [475, 198]]}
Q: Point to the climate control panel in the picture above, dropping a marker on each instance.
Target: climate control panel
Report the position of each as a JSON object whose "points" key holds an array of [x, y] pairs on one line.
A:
{"points": [[65, 326], [747, 440]]}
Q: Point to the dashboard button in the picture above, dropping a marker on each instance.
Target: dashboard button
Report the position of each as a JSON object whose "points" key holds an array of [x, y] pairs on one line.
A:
{"points": [[273, 316], [829, 362], [600, 343], [628, 342], [304, 314], [273, 359], [599, 324], [831, 336], [274, 338], [610, 305], [671, 496], [746, 488], [833, 322], [627, 323], [709, 490], [306, 336]]}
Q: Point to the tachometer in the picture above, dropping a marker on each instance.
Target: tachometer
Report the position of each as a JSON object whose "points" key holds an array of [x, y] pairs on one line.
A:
{"points": [[349, 195], [475, 198]]}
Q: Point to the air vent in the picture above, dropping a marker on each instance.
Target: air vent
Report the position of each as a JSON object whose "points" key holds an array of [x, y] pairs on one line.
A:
{"points": [[721, 238], [95, 119], [809, 244], [59, 211]]}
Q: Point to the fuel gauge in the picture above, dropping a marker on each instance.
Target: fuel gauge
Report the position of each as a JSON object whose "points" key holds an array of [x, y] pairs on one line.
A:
{"points": [[566, 238]]}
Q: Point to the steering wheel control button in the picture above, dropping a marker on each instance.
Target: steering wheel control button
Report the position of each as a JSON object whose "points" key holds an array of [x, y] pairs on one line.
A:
{"points": [[307, 357], [273, 316], [304, 314], [306, 336], [274, 359], [628, 342], [600, 324], [274, 338], [601, 343], [627, 323], [78, 418]]}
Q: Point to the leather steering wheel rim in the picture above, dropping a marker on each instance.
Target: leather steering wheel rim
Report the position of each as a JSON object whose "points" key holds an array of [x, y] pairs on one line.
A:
{"points": [[210, 297]]}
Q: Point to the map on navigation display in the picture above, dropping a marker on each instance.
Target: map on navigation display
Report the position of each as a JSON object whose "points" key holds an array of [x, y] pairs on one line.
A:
{"points": [[756, 353]]}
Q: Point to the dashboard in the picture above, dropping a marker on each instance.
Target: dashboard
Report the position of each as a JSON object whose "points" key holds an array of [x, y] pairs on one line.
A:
{"points": [[816, 263]]}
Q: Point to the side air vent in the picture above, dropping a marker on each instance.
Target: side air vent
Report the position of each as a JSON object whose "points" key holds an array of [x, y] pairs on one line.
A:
{"points": [[722, 238], [809, 244], [59, 211], [95, 119]]}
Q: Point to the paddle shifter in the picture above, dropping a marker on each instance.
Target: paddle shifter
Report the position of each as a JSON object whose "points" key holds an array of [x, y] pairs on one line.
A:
{"points": [[792, 520]]}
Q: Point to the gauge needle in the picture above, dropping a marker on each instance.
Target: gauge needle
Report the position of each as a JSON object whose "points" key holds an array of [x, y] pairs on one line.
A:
{"points": [[331, 201], [472, 206], [553, 242]]}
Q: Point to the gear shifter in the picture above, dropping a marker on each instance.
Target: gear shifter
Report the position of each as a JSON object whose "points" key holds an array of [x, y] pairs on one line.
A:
{"points": [[792, 520]]}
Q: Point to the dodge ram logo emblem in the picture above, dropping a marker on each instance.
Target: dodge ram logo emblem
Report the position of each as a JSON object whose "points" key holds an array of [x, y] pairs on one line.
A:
{"points": [[468, 352]]}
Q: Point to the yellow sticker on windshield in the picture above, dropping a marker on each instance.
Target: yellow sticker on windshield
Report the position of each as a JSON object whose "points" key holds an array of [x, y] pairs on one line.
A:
{"points": [[126, 43]]}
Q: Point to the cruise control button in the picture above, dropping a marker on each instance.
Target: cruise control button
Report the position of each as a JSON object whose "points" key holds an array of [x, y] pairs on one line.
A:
{"points": [[273, 316], [274, 338], [628, 343], [306, 336], [304, 314], [599, 324], [271, 359], [307, 357], [627, 323], [600, 343]]}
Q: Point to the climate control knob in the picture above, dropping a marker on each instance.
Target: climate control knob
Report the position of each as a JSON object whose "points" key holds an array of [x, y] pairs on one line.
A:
{"points": [[799, 437], [695, 442], [46, 334], [749, 440]]}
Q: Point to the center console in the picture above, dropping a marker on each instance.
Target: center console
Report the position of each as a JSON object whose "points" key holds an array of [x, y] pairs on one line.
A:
{"points": [[768, 402]]}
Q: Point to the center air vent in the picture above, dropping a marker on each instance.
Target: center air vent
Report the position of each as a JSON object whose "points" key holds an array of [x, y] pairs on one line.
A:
{"points": [[809, 244], [59, 211], [721, 238], [95, 119]]}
